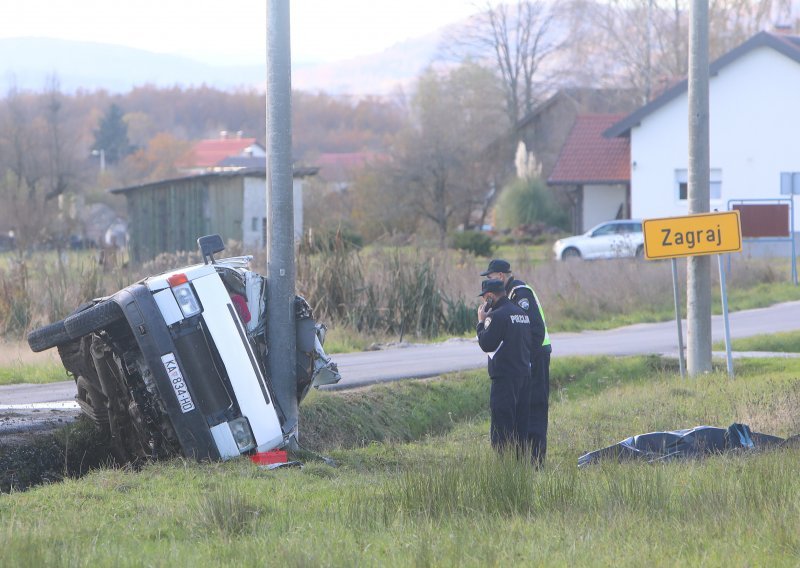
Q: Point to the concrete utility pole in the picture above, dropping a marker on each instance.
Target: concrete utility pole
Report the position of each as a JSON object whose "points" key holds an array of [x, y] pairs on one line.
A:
{"points": [[698, 288], [280, 214]]}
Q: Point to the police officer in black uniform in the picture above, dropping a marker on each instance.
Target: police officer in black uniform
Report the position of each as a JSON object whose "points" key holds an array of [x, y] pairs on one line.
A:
{"points": [[537, 390], [504, 333]]}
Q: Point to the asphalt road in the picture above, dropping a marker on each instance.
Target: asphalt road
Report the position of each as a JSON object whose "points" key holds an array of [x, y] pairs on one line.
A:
{"points": [[427, 360]]}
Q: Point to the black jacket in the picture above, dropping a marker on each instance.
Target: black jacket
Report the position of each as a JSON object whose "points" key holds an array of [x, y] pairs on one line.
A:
{"points": [[525, 299], [505, 335]]}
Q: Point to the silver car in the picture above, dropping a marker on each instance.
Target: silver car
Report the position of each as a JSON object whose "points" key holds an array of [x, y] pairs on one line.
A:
{"points": [[612, 239]]}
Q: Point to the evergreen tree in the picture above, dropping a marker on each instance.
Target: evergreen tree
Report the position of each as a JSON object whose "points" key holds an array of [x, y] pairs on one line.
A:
{"points": [[111, 137]]}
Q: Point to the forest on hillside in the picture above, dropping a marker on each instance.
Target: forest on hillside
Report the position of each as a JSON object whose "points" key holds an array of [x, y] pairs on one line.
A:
{"points": [[440, 165]]}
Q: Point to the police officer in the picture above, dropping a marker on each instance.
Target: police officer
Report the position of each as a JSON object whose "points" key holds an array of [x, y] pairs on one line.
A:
{"points": [[538, 389], [504, 333]]}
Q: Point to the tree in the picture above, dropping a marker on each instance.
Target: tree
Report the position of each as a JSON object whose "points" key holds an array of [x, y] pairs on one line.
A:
{"points": [[376, 210], [111, 136], [513, 41], [160, 159], [440, 167], [36, 163], [61, 146], [643, 44]]}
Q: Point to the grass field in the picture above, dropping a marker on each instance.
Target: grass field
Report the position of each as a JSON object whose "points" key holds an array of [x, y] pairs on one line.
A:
{"points": [[786, 342], [429, 491]]}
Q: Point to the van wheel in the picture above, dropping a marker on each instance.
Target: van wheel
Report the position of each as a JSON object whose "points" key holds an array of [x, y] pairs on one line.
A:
{"points": [[48, 336], [93, 319]]}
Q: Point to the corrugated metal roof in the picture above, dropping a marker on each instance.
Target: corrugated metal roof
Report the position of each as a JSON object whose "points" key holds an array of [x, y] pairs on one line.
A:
{"points": [[297, 172], [589, 157]]}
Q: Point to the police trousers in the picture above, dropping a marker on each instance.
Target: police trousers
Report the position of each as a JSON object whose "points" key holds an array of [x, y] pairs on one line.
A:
{"points": [[535, 415], [507, 405]]}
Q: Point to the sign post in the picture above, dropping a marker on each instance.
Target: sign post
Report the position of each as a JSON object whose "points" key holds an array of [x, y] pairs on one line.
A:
{"points": [[724, 294], [676, 293], [790, 184], [695, 235]]}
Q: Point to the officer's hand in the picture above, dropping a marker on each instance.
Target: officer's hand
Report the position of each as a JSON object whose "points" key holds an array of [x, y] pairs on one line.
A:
{"points": [[482, 312]]}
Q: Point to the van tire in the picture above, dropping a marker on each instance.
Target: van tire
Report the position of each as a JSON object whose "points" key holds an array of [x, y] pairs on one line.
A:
{"points": [[48, 336], [92, 319]]}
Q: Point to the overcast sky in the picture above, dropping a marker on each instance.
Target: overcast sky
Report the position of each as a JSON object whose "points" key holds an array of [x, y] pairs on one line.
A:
{"points": [[232, 31]]}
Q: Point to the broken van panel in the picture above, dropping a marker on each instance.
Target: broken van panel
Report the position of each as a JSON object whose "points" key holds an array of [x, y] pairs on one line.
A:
{"points": [[176, 363]]}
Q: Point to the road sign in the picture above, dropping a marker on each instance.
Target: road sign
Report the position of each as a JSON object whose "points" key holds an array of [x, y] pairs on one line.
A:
{"points": [[692, 235]]}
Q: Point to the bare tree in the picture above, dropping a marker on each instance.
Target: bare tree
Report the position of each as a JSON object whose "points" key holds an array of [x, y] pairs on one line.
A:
{"points": [[647, 40], [514, 40], [56, 162], [441, 168], [37, 162]]}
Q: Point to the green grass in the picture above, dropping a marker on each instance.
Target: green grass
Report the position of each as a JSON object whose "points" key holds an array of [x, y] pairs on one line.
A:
{"points": [[784, 342], [759, 296], [37, 373], [446, 499], [341, 339], [523, 254]]}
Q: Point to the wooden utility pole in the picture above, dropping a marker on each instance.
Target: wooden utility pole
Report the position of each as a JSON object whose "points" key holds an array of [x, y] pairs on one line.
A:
{"points": [[698, 289]]}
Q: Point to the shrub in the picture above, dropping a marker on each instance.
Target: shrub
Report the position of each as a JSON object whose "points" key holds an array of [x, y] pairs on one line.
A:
{"points": [[528, 202], [479, 244]]}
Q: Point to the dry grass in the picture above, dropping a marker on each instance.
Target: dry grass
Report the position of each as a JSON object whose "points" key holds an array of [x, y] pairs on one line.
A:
{"points": [[14, 353], [777, 412], [420, 292]]}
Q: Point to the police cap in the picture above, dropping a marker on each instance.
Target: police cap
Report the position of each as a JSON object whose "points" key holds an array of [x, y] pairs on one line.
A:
{"points": [[497, 265], [494, 286]]}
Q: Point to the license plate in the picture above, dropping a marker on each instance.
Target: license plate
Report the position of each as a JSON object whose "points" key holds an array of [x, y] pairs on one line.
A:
{"points": [[178, 384]]}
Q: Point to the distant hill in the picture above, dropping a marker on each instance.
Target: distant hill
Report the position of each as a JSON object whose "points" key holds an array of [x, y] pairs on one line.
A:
{"points": [[27, 63], [379, 73]]}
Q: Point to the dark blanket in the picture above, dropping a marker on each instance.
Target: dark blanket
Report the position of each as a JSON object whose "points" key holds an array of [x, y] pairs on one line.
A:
{"points": [[691, 442]]}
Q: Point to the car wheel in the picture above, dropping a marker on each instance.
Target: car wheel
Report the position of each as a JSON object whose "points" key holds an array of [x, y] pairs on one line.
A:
{"points": [[571, 254], [92, 319], [48, 336], [640, 252]]}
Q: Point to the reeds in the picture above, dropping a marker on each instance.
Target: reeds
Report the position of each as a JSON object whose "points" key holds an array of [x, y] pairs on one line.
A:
{"points": [[387, 293], [399, 292]]}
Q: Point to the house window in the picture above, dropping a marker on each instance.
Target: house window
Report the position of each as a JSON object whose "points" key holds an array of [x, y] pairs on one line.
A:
{"points": [[682, 184]]}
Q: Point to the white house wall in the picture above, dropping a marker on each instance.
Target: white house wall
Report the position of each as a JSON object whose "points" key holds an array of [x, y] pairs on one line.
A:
{"points": [[601, 203], [255, 210], [754, 124]]}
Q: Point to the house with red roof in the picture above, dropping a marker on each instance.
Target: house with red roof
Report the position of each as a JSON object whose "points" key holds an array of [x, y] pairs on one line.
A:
{"points": [[545, 129], [754, 123], [215, 155], [594, 172]]}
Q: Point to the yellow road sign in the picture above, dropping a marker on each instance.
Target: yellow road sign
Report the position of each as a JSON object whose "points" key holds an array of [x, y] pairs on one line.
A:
{"points": [[705, 233]]}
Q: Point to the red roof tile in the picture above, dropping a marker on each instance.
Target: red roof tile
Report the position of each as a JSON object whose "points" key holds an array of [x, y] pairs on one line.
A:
{"points": [[208, 153], [589, 157]]}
